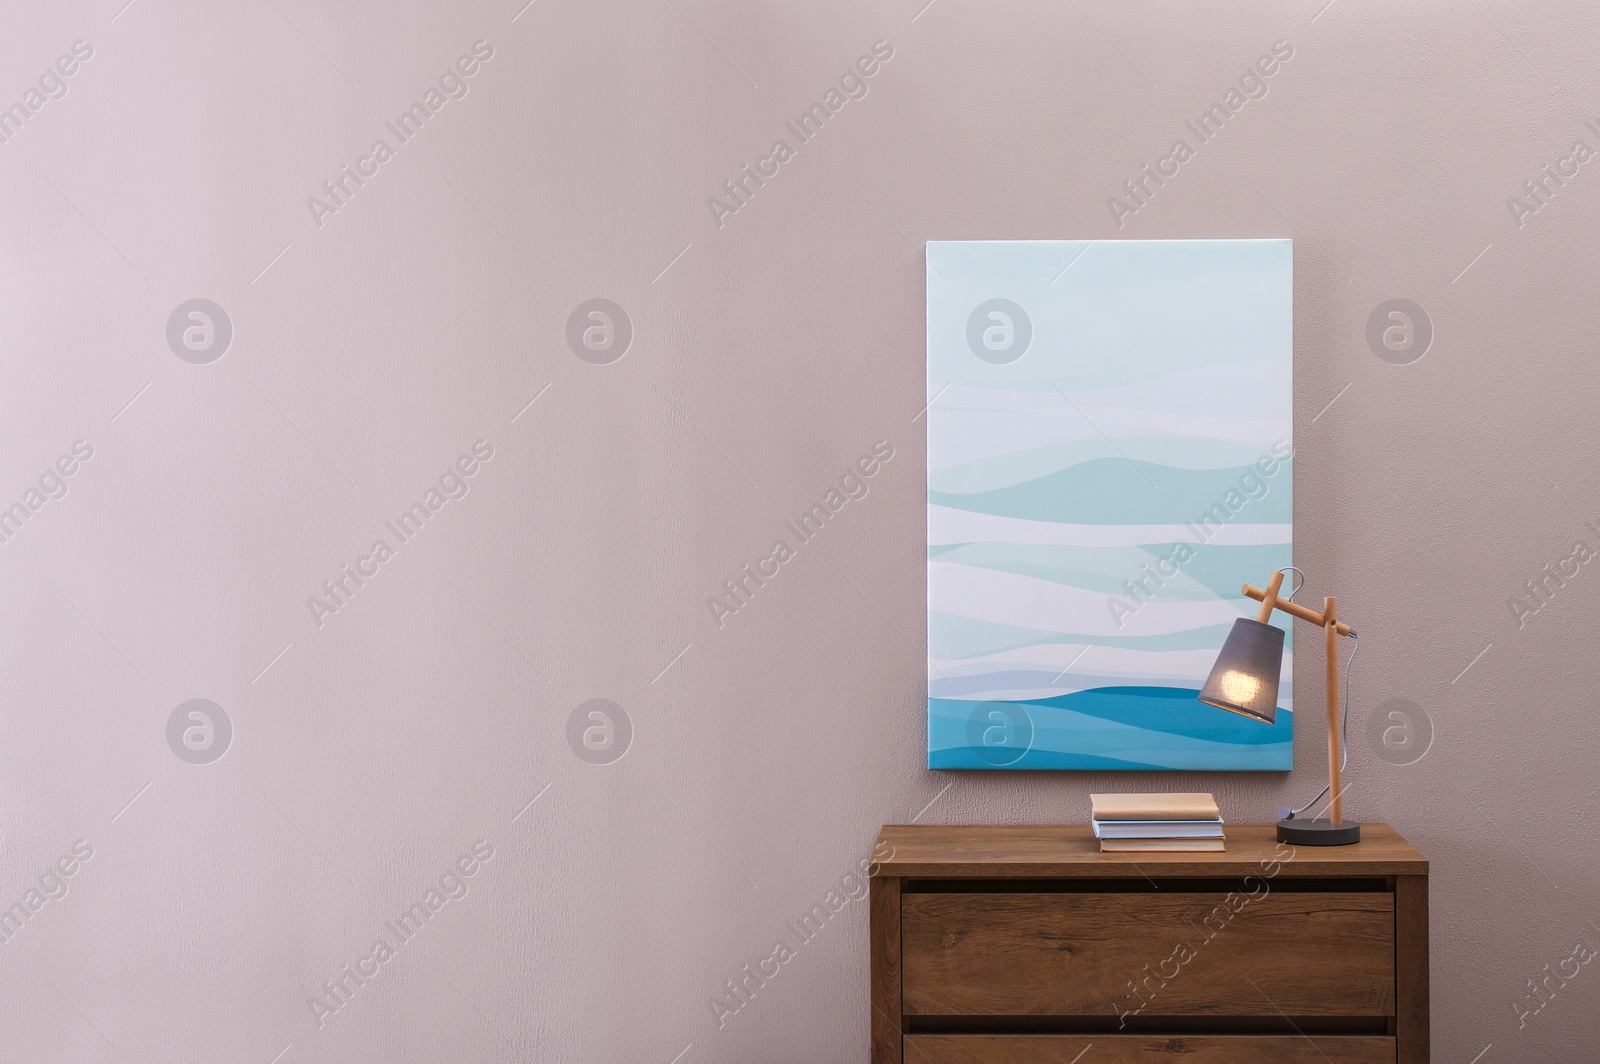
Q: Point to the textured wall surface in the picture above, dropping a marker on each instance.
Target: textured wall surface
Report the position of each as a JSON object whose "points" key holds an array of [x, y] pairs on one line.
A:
{"points": [[422, 738]]}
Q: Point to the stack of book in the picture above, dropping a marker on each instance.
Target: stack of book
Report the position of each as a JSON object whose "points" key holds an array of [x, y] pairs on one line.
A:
{"points": [[1143, 822]]}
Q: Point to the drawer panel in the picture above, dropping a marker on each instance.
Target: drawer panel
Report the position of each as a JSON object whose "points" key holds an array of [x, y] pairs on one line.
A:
{"points": [[1148, 1049], [1083, 954]]}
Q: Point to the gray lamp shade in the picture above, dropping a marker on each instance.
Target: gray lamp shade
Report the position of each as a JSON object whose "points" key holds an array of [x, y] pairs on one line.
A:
{"points": [[1245, 678]]}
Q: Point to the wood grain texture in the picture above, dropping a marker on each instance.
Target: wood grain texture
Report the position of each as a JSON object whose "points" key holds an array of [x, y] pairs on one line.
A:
{"points": [[1270, 600], [1011, 851], [1294, 609], [884, 919], [1330, 654], [1142, 1049], [1029, 929], [1080, 954], [1411, 969]]}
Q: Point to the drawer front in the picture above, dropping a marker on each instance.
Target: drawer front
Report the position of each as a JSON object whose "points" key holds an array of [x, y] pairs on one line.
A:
{"points": [[1147, 1049], [1284, 953]]}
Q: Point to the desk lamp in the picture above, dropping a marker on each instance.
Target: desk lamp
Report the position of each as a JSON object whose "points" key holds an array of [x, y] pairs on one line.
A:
{"points": [[1245, 681]]}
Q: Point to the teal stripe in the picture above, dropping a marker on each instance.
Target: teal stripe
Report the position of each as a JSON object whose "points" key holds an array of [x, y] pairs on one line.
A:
{"points": [[951, 636], [1116, 491], [1001, 471]]}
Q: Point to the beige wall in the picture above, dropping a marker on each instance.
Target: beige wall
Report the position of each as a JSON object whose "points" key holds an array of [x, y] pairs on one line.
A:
{"points": [[375, 746]]}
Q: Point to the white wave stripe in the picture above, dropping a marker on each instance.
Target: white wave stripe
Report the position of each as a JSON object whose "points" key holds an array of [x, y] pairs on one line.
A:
{"points": [[984, 435], [1188, 666], [1047, 685], [974, 423], [1040, 412], [1191, 666], [947, 525], [1074, 668], [1172, 392], [1009, 598], [1123, 421], [1179, 588], [1100, 668]]}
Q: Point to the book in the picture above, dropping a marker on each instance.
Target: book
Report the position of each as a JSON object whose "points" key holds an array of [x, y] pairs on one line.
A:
{"points": [[1154, 807], [1162, 846], [1158, 829]]}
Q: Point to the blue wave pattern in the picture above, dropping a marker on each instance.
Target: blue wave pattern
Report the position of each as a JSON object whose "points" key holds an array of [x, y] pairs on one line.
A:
{"points": [[1135, 728], [1095, 503]]}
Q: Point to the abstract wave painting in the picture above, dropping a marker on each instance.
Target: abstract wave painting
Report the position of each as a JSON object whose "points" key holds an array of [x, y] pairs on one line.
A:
{"points": [[1109, 445]]}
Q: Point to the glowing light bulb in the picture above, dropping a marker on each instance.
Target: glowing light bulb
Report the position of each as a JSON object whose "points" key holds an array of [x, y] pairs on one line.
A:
{"points": [[1238, 687]]}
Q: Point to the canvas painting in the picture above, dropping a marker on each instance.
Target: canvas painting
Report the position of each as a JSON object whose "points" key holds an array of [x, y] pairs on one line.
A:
{"points": [[1109, 459]]}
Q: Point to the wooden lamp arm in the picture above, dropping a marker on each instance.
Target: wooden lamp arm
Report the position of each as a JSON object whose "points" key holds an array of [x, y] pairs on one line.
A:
{"points": [[1328, 621], [1293, 609]]}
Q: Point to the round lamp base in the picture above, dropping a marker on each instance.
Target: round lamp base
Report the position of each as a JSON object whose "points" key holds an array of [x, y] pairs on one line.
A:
{"points": [[1318, 833]]}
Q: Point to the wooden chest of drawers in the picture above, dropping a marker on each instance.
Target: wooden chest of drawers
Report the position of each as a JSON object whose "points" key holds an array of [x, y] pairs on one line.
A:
{"points": [[1005, 944]]}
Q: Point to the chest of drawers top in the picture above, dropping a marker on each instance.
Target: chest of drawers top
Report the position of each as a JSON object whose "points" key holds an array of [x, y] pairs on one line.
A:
{"points": [[1069, 851]]}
